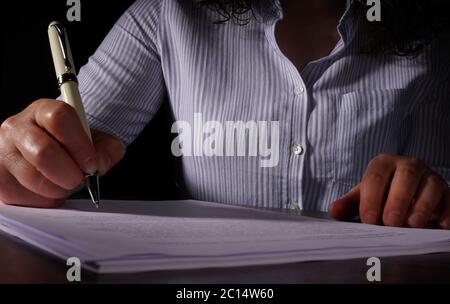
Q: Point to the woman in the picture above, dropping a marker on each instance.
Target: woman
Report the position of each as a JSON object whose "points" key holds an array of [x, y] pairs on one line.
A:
{"points": [[360, 109]]}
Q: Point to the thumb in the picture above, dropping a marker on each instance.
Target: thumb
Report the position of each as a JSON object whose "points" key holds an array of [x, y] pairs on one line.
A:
{"points": [[110, 150], [347, 207]]}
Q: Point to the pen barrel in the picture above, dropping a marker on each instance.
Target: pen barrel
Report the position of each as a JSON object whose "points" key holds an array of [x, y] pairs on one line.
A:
{"points": [[72, 97], [65, 71], [61, 51]]}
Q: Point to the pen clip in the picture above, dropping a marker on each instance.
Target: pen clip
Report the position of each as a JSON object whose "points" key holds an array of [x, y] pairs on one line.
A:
{"points": [[62, 39]]}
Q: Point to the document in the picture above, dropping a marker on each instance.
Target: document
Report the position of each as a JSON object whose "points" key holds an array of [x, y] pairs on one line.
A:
{"points": [[132, 236]]}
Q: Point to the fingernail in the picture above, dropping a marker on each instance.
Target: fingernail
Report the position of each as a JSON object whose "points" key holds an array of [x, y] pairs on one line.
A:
{"points": [[394, 218], [417, 220], [370, 217], [90, 165]]}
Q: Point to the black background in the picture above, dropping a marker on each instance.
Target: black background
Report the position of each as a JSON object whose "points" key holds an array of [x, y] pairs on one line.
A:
{"points": [[27, 74]]}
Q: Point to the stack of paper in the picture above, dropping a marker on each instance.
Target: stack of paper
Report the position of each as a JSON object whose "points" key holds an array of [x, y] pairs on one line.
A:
{"points": [[143, 236]]}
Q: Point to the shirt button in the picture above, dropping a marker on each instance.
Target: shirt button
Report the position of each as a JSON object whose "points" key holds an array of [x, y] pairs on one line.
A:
{"points": [[299, 90], [293, 206], [297, 149]]}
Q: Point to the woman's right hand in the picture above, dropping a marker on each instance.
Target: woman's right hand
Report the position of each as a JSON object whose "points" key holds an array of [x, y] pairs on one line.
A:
{"points": [[45, 152]]}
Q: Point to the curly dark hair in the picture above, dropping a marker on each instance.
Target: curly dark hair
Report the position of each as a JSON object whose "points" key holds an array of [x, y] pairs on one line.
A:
{"points": [[407, 26]]}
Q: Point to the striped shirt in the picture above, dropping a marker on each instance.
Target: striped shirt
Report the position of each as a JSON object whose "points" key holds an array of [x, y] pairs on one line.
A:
{"points": [[334, 117]]}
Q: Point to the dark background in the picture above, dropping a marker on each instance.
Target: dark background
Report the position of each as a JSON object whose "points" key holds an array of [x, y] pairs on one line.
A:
{"points": [[27, 74]]}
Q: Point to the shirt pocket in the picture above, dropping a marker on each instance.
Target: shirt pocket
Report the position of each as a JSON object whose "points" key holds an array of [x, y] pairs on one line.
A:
{"points": [[368, 124]]}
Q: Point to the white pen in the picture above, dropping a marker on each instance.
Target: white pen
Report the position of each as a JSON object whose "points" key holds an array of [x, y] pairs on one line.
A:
{"points": [[68, 84]]}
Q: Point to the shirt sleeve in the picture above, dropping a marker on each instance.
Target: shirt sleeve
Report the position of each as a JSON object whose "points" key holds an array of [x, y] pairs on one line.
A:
{"points": [[429, 128], [122, 84]]}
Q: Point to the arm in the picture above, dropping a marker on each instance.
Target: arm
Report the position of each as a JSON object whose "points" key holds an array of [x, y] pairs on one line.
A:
{"points": [[44, 150], [122, 85]]}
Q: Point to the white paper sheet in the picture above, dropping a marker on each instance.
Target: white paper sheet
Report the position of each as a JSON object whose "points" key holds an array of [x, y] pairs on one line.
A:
{"points": [[142, 236]]}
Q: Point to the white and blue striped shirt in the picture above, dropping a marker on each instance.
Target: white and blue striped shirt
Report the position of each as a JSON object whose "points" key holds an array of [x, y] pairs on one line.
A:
{"points": [[339, 113]]}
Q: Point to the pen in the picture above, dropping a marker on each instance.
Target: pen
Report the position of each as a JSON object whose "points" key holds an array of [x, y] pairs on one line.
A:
{"points": [[68, 85]]}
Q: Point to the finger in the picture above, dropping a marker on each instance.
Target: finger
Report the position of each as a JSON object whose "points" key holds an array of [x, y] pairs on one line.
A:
{"points": [[444, 220], [428, 197], [63, 123], [12, 193], [32, 179], [347, 207], [403, 187], [374, 185], [48, 157], [110, 150]]}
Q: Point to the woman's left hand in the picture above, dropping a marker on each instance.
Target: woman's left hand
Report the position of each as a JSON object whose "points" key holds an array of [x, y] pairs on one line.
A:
{"points": [[397, 191]]}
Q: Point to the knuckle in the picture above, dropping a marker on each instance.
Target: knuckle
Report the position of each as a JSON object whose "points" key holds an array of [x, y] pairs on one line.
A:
{"points": [[57, 117], [43, 153], [416, 163], [383, 157], [381, 161], [37, 105], [373, 162], [409, 172], [373, 176], [40, 103], [9, 123]]}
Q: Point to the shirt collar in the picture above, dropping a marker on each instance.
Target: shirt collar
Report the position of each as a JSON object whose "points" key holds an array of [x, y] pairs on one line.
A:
{"points": [[348, 23]]}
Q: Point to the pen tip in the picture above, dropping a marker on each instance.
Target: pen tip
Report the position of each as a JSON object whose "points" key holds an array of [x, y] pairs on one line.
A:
{"points": [[93, 187]]}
